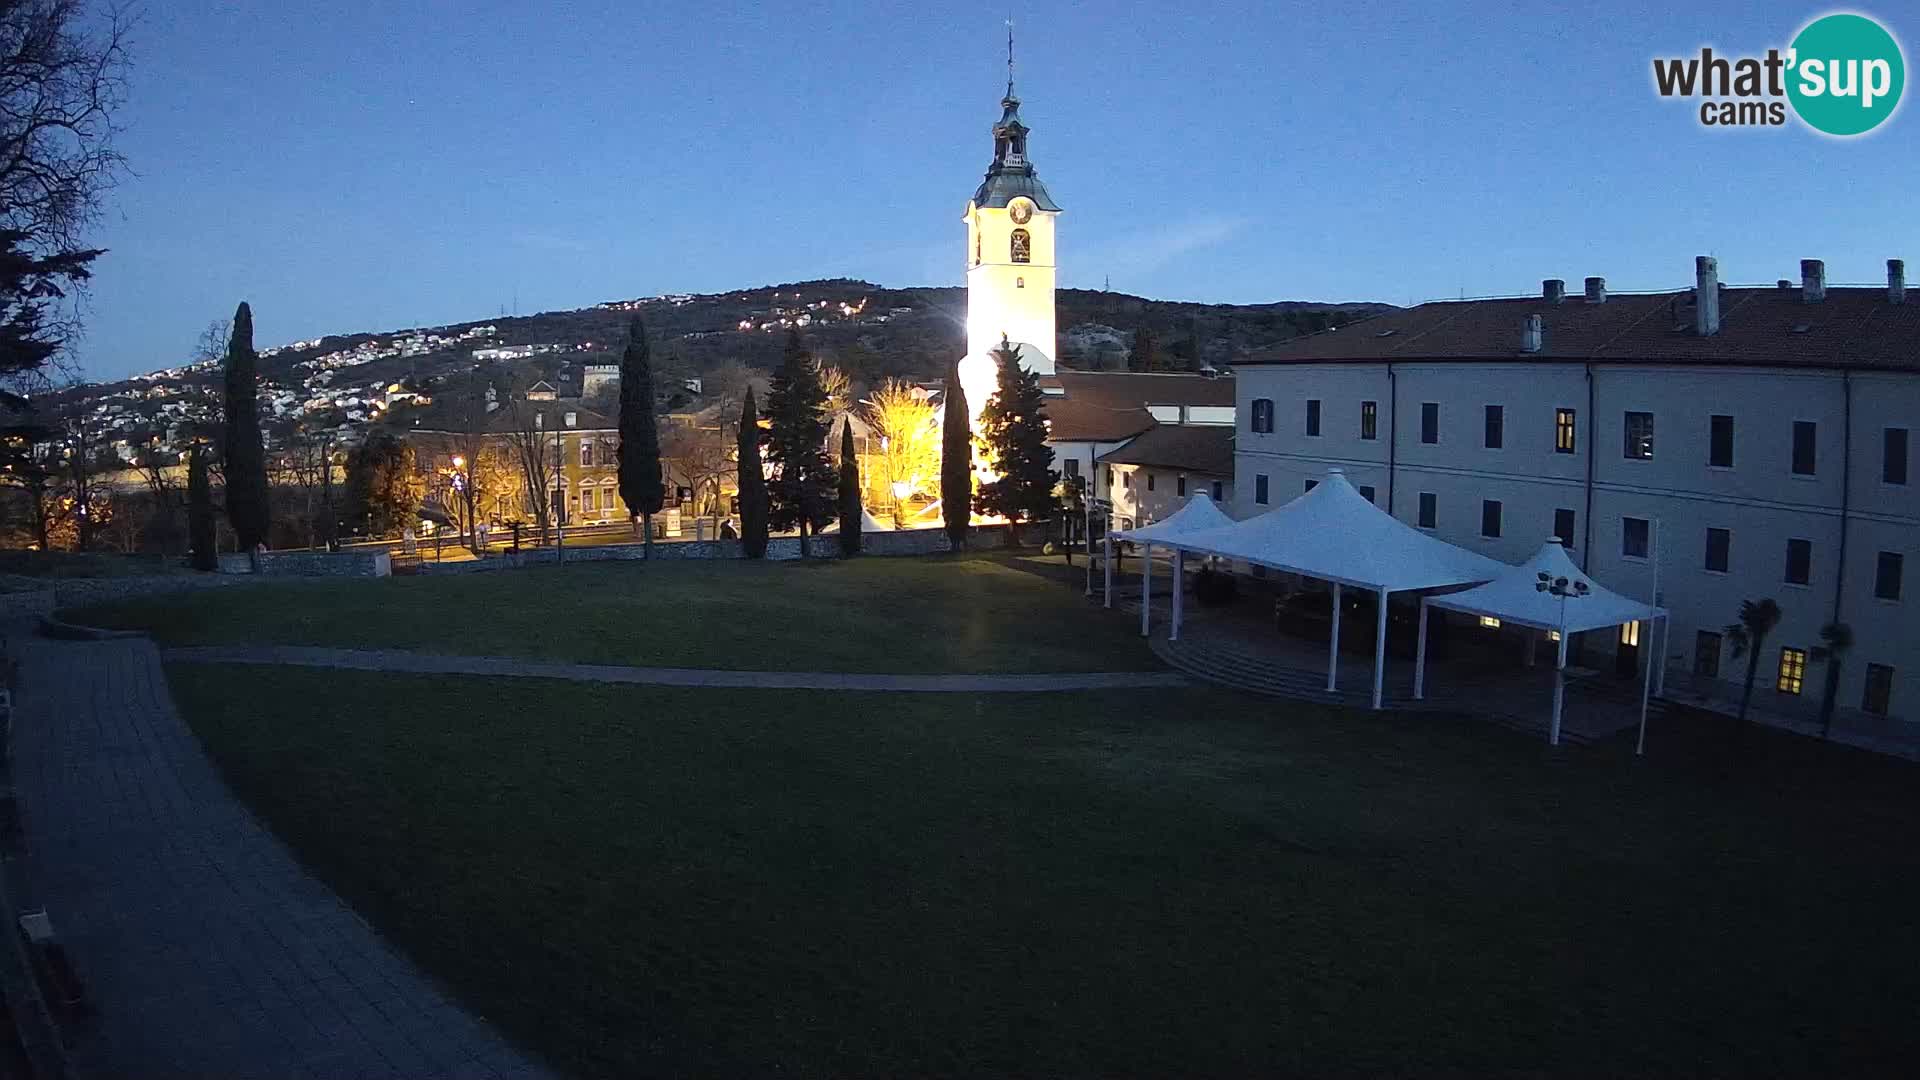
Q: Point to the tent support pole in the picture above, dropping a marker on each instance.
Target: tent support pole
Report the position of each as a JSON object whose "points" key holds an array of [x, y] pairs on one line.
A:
{"points": [[1646, 685], [1559, 688], [1179, 589], [1106, 561], [1379, 647], [1420, 657], [1146, 589], [1333, 644], [1660, 673]]}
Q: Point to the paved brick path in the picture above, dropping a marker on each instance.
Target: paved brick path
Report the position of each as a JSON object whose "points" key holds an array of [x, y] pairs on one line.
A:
{"points": [[205, 947], [430, 664]]}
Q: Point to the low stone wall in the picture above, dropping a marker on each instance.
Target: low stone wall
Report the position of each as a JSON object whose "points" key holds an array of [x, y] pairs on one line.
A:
{"points": [[311, 563], [84, 592], [26, 604]]}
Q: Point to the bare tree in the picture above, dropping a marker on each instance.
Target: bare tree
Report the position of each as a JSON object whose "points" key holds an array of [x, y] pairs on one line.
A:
{"points": [[535, 450]]}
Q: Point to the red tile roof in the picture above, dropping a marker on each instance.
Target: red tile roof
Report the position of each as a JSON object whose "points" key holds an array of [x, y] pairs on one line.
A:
{"points": [[1109, 406], [1850, 328], [1200, 448]]}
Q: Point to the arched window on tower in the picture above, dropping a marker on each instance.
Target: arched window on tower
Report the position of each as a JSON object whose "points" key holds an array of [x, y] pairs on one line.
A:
{"points": [[1022, 246]]}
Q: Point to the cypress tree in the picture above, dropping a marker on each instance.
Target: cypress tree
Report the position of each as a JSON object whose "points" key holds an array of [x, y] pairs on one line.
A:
{"points": [[956, 462], [1145, 354], [802, 492], [753, 483], [245, 455], [639, 459], [1013, 424], [851, 519], [200, 531]]}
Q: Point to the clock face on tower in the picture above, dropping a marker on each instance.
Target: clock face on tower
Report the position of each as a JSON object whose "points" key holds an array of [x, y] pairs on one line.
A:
{"points": [[1020, 210]]}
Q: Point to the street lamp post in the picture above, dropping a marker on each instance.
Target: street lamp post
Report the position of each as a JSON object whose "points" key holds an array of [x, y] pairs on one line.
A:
{"points": [[1562, 588]]}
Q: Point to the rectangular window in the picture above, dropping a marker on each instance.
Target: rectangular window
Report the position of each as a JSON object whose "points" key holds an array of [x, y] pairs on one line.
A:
{"points": [[1719, 544], [1313, 416], [1366, 492], [1071, 466], [1311, 484], [1262, 416], [1630, 634], [586, 499], [1793, 671], [1893, 466], [1149, 481], [1706, 654], [1799, 562], [1180, 486], [1496, 426], [1109, 478], [1369, 419], [1639, 436], [1126, 481], [1720, 441], [1878, 696], [1633, 537], [1260, 488], [586, 453], [1804, 432], [1886, 575], [1490, 518], [1563, 432], [1429, 509], [1563, 526], [1489, 622], [1430, 422], [1219, 490]]}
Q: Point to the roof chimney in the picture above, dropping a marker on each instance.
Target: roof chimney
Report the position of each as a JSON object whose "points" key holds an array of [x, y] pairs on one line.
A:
{"points": [[1896, 281], [1813, 280], [1533, 334], [1785, 284], [1596, 290], [1553, 290], [1706, 295]]}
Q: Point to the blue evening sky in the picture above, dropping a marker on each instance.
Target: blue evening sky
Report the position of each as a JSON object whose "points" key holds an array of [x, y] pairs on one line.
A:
{"points": [[368, 166]]}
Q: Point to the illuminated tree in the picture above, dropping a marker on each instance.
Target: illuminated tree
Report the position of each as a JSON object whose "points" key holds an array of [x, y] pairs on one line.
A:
{"points": [[908, 427], [753, 483], [243, 451], [1013, 425], [851, 518], [383, 489], [956, 461], [639, 456]]}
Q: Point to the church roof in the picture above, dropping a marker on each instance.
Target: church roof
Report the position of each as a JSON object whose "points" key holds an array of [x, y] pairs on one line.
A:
{"points": [[1011, 175], [1002, 187]]}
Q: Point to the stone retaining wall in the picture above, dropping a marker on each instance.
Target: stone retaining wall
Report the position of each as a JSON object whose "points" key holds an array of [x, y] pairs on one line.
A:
{"points": [[311, 563]]}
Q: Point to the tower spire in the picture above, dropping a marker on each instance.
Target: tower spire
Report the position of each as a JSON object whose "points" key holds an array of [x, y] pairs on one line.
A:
{"points": [[1010, 57]]}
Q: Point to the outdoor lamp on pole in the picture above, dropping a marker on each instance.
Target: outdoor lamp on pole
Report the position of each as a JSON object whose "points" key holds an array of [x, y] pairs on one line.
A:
{"points": [[1562, 588]]}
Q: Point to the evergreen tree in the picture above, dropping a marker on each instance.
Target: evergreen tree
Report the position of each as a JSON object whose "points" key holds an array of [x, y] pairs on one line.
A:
{"points": [[753, 483], [200, 530], [956, 461], [383, 489], [1013, 424], [851, 519], [801, 494], [639, 456], [244, 454], [1145, 355]]}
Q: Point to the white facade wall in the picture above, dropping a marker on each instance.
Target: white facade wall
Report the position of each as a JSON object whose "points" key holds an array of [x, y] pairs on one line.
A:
{"points": [[1759, 500], [1144, 494]]}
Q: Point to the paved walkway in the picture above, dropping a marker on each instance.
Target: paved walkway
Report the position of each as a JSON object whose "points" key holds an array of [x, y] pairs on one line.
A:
{"points": [[431, 664], [205, 948]]}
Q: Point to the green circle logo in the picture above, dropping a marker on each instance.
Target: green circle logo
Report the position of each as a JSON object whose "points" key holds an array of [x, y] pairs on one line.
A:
{"points": [[1846, 74]]}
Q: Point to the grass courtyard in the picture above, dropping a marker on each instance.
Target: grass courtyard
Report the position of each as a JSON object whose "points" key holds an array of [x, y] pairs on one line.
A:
{"points": [[641, 881], [972, 614]]}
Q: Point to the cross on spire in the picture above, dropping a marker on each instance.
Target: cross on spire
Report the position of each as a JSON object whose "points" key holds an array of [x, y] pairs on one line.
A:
{"points": [[1009, 56]]}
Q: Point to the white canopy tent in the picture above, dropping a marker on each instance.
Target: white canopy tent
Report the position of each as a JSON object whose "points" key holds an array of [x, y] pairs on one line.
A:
{"points": [[1547, 592], [1197, 515], [1337, 535]]}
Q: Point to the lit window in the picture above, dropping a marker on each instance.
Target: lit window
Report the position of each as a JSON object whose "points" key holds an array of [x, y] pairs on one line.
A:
{"points": [[1489, 622], [586, 453], [1553, 635], [1022, 246], [1369, 419], [1630, 634], [1793, 671], [1563, 431]]}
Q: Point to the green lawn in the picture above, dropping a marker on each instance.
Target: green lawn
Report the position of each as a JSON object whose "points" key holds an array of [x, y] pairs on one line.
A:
{"points": [[970, 614], [663, 882]]}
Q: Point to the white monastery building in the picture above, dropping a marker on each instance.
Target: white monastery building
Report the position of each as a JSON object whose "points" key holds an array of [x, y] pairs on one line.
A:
{"points": [[1753, 442]]}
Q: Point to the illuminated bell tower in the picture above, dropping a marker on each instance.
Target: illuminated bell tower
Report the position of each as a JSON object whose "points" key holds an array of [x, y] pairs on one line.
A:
{"points": [[1010, 257]]}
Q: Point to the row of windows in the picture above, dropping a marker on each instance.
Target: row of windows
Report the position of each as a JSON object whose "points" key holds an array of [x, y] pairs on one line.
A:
{"points": [[1790, 676], [1179, 481], [1888, 570], [1636, 441]]}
